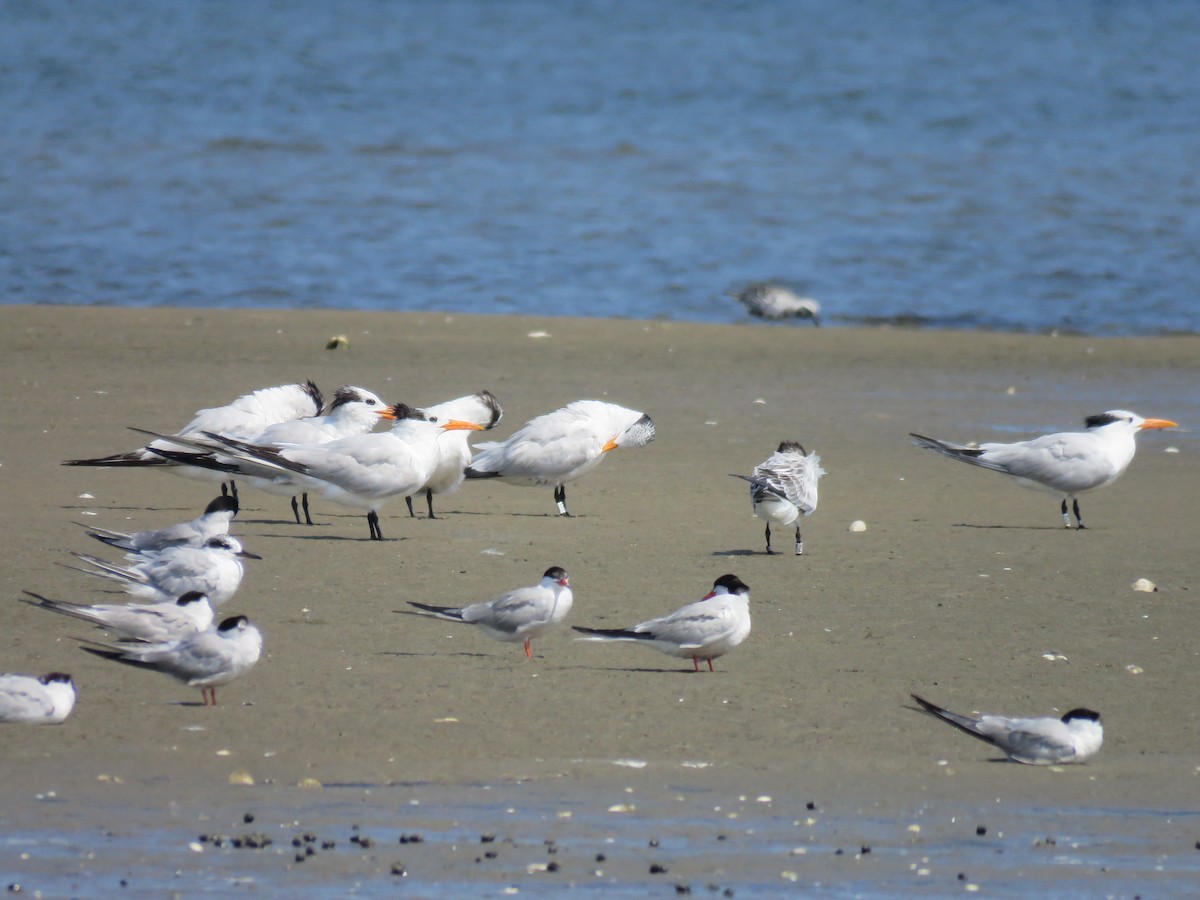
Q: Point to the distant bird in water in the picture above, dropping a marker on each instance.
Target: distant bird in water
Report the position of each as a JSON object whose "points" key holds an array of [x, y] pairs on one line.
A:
{"points": [[562, 445], [768, 300], [1068, 463], [1041, 741], [783, 489]]}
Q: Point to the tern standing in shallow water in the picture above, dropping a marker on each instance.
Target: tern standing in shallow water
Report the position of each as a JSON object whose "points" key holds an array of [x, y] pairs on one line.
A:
{"points": [[1037, 741], [704, 630], [518, 615], [784, 488], [1069, 463], [36, 699], [563, 445]]}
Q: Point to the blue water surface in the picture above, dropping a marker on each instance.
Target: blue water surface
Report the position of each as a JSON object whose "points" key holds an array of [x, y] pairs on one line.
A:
{"points": [[974, 164]]}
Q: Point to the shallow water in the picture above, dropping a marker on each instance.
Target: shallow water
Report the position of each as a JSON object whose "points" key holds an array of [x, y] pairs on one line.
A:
{"points": [[541, 839], [976, 165]]}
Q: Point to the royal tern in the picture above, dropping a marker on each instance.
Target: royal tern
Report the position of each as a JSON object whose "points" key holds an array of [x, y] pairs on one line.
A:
{"points": [[479, 412], [163, 576], [1036, 741], [774, 301], [247, 415], [354, 411], [36, 699], [213, 523], [140, 621], [518, 615], [207, 659], [706, 629], [363, 471], [784, 488], [1069, 463], [561, 446]]}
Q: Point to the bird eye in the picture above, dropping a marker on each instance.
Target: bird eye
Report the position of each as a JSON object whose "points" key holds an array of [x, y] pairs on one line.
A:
{"points": [[433, 418], [370, 403]]}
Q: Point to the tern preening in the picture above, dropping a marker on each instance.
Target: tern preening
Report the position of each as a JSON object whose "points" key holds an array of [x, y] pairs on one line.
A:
{"points": [[354, 411], [774, 301], [518, 615], [784, 488], [1037, 741], [1069, 463], [561, 446], [205, 660], [363, 471], [704, 630], [248, 414], [36, 699], [163, 576], [214, 522], [139, 621], [479, 412]]}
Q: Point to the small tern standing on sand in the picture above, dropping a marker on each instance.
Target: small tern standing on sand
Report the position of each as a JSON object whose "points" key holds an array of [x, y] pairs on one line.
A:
{"points": [[561, 446], [517, 615], [454, 453], [1069, 463], [354, 411], [163, 576], [774, 301], [784, 488], [248, 414], [706, 629], [213, 523], [1037, 741], [36, 699], [140, 621], [205, 660]]}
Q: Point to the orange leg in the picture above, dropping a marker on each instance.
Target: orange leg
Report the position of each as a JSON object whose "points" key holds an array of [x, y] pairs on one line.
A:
{"points": [[528, 652]]}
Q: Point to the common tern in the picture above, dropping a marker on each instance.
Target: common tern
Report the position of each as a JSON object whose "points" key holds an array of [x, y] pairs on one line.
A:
{"points": [[207, 659], [1037, 741], [784, 488], [354, 411], [454, 453], [774, 301], [518, 615], [36, 699], [706, 629], [1069, 463], [140, 621], [558, 447], [213, 523], [163, 576], [248, 414]]}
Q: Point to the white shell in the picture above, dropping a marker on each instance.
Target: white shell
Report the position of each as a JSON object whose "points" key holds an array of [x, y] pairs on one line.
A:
{"points": [[1145, 584], [857, 525]]}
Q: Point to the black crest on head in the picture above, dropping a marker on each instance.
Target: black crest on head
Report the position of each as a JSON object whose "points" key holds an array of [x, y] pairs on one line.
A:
{"points": [[489, 400], [556, 572], [1090, 714], [785, 446], [233, 623], [189, 597], [224, 503], [1101, 420], [315, 393], [732, 583], [61, 677]]}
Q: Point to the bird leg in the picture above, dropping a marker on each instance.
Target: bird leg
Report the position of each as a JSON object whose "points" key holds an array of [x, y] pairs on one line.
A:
{"points": [[710, 668], [210, 695], [411, 514], [373, 524], [230, 490], [560, 497], [768, 538], [799, 542], [1078, 518], [429, 501], [1066, 518], [307, 518], [696, 663], [296, 510], [528, 652]]}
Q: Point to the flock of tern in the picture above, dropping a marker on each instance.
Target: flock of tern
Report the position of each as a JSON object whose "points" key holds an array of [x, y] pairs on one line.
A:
{"points": [[278, 440]]}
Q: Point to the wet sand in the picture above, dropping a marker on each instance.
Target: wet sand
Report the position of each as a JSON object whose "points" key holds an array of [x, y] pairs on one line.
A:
{"points": [[959, 589]]}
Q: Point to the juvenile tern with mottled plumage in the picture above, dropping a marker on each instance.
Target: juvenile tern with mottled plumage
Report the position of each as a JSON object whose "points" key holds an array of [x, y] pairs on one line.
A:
{"points": [[784, 488]]}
